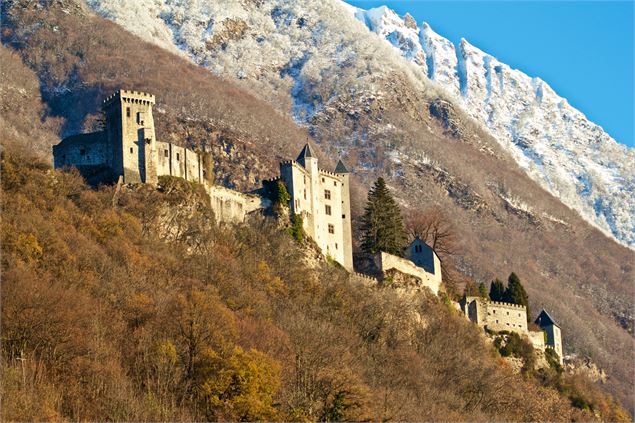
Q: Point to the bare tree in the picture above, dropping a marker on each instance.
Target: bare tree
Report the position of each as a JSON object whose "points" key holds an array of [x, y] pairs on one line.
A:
{"points": [[434, 227]]}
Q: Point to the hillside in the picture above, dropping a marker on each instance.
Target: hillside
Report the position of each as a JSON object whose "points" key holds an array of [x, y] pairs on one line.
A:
{"points": [[104, 319], [429, 150]]}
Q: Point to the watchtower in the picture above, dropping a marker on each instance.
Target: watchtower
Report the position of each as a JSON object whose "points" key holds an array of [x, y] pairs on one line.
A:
{"points": [[130, 134]]}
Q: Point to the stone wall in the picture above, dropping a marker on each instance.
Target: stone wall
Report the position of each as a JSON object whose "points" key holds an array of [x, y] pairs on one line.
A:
{"points": [[537, 339], [387, 263], [232, 206], [494, 315], [82, 150]]}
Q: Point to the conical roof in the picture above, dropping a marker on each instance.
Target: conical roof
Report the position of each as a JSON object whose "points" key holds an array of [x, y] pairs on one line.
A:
{"points": [[341, 168], [306, 152], [544, 319]]}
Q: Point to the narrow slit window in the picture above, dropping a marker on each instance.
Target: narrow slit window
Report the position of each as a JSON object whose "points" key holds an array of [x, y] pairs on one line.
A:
{"points": [[177, 156], [127, 111], [131, 150], [166, 153]]}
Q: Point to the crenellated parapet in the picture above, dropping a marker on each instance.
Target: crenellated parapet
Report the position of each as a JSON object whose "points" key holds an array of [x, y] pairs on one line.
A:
{"points": [[130, 96], [506, 304]]}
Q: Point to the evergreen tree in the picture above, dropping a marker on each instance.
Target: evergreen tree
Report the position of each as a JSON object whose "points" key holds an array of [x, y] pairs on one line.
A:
{"points": [[497, 290], [516, 293], [382, 225], [482, 290]]}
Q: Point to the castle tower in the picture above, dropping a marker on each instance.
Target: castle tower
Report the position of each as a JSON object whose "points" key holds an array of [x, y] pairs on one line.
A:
{"points": [[554, 335], [130, 133], [342, 172], [309, 161], [322, 199]]}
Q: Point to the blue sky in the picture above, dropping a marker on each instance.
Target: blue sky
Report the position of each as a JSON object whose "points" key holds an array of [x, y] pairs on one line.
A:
{"points": [[583, 49]]}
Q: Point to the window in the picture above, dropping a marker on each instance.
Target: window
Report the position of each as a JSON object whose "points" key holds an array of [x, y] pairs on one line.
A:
{"points": [[418, 248], [131, 150], [343, 216], [127, 111], [334, 183], [331, 229], [494, 311], [322, 179], [140, 118], [496, 320], [508, 313], [518, 314], [305, 194], [328, 210], [166, 153], [327, 194], [82, 151], [177, 156], [336, 245], [304, 180]]}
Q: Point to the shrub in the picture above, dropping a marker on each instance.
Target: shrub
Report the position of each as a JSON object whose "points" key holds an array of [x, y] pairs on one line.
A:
{"points": [[296, 230]]}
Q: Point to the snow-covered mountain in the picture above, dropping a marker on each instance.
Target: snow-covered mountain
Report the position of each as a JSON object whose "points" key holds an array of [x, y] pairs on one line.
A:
{"points": [[300, 47], [572, 157]]}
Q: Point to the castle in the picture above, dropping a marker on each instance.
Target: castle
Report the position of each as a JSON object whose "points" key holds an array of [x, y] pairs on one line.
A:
{"points": [[322, 199], [501, 316], [127, 151], [127, 147]]}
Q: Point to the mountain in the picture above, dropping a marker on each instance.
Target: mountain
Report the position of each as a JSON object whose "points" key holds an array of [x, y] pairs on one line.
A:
{"points": [[236, 77], [554, 143]]}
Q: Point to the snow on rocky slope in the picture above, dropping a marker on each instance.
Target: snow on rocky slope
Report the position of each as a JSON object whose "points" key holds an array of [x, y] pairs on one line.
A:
{"points": [[569, 155], [295, 46]]}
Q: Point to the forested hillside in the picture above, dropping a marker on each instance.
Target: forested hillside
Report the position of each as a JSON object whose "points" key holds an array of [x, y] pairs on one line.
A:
{"points": [[102, 319], [59, 61]]}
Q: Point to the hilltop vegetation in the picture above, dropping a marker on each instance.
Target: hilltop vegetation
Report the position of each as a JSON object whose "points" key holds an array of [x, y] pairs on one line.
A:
{"points": [[103, 319]]}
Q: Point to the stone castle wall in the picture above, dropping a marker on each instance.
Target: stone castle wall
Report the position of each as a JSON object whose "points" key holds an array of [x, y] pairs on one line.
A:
{"points": [[494, 315], [233, 206], [387, 263]]}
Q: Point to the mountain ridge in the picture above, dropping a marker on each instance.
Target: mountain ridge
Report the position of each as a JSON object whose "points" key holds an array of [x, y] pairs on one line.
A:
{"points": [[596, 183]]}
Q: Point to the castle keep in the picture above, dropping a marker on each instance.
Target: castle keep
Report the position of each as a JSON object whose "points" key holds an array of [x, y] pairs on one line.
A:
{"points": [[322, 199]]}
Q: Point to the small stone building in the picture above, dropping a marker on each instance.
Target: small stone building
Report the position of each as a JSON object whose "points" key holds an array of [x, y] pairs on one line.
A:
{"points": [[552, 329], [495, 315], [322, 199], [420, 267]]}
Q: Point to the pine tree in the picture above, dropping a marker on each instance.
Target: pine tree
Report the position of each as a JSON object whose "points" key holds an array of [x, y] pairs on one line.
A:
{"points": [[497, 290], [382, 225], [515, 292], [482, 290]]}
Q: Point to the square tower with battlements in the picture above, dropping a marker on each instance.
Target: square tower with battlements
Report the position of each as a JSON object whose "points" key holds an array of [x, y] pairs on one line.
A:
{"points": [[322, 199], [130, 134]]}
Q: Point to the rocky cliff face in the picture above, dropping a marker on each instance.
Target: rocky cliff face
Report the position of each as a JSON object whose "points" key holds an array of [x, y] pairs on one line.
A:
{"points": [[573, 158]]}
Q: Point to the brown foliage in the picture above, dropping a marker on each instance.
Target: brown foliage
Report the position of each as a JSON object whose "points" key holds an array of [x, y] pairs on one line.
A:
{"points": [[109, 322]]}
